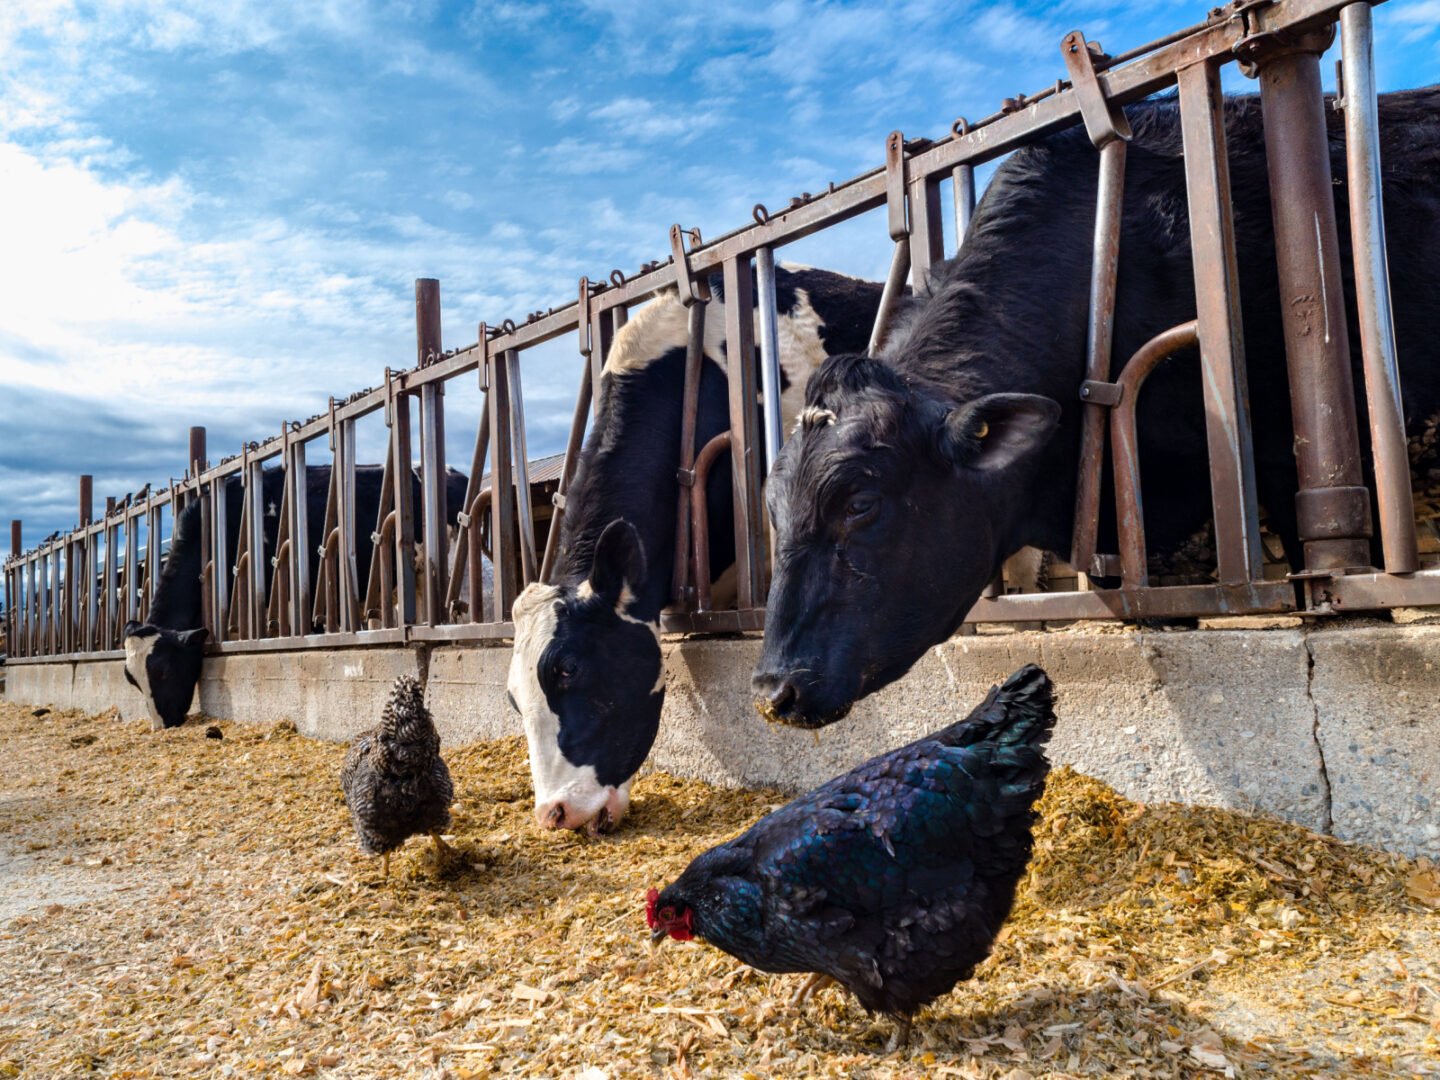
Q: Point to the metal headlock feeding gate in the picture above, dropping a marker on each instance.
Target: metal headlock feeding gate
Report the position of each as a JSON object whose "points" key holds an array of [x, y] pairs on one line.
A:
{"points": [[72, 594]]}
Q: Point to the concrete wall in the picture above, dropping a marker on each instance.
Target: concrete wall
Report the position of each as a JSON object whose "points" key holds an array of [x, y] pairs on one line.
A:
{"points": [[1336, 728]]}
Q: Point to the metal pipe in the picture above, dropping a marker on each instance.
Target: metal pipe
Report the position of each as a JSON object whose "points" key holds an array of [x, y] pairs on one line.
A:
{"points": [[432, 453], [700, 519], [769, 353], [466, 522], [502, 505], [300, 533], [1372, 293], [1124, 449], [962, 178], [197, 451], [573, 446], [752, 565], [689, 409], [529, 564], [255, 502], [1222, 339], [1099, 339], [478, 506], [220, 557], [348, 578], [1333, 505], [890, 295]]}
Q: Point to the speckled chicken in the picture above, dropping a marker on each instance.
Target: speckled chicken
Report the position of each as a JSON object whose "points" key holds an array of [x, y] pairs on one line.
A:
{"points": [[396, 784], [893, 879]]}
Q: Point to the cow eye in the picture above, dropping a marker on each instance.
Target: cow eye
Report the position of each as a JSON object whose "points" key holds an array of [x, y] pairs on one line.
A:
{"points": [[567, 668], [860, 507]]}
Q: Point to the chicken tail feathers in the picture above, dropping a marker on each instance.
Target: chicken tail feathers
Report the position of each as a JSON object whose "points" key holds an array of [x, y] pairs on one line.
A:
{"points": [[1019, 712]]}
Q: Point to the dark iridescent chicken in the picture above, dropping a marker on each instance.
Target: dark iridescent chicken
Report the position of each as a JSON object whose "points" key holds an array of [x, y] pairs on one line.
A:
{"points": [[893, 879], [395, 782]]}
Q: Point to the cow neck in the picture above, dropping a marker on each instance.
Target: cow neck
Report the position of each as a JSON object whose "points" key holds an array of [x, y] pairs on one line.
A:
{"points": [[176, 603], [627, 470]]}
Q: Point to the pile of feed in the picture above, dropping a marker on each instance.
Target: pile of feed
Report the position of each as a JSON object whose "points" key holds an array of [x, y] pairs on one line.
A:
{"points": [[182, 904]]}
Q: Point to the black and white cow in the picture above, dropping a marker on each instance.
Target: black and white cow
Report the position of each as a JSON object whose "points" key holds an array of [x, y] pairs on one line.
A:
{"points": [[163, 655], [916, 474], [586, 674]]}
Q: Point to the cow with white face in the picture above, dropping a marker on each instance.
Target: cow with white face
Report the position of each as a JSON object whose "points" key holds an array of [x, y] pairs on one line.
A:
{"points": [[587, 674], [588, 680]]}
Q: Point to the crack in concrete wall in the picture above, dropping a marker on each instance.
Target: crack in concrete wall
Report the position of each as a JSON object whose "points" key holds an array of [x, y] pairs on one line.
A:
{"points": [[1326, 795]]}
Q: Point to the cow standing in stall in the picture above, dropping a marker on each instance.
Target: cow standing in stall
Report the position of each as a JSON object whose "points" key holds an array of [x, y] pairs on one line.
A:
{"points": [[916, 473], [587, 675]]}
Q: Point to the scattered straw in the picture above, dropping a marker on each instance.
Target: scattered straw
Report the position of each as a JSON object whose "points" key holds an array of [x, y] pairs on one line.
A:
{"points": [[176, 905]]}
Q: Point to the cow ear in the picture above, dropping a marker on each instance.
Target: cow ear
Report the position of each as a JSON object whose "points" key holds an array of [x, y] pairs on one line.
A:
{"points": [[619, 561], [994, 432], [130, 627], [193, 639]]}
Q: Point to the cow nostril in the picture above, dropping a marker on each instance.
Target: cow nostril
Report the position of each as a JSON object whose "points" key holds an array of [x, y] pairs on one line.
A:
{"points": [[783, 694], [556, 817]]}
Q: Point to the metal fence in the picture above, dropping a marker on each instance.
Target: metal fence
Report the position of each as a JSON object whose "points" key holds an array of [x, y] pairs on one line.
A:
{"points": [[71, 595]]}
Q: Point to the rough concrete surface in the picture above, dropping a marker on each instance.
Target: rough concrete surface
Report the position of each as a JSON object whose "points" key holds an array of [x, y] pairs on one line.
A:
{"points": [[1336, 728]]}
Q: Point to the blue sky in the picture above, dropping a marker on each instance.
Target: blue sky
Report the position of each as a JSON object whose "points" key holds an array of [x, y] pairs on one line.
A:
{"points": [[214, 212]]}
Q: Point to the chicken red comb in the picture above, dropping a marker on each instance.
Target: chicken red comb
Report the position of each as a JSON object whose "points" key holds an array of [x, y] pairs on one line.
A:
{"points": [[651, 899]]}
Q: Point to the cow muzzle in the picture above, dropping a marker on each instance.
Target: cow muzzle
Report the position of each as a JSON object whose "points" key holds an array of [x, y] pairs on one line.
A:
{"points": [[568, 814]]}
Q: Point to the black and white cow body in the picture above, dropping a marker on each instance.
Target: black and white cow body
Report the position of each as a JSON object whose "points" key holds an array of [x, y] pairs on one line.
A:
{"points": [[916, 474], [587, 674], [163, 656]]}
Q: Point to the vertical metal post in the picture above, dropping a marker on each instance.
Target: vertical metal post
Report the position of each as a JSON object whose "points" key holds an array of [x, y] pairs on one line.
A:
{"points": [[900, 233], [769, 354], [132, 565], [573, 446], [111, 575], [86, 594], [529, 564], [255, 508], [348, 579], [750, 530], [296, 475], [153, 512], [220, 579], [502, 492], [403, 476], [14, 599], [44, 638], [962, 179], [197, 451], [1222, 343], [1332, 506], [1372, 292], [432, 454], [927, 233], [685, 544]]}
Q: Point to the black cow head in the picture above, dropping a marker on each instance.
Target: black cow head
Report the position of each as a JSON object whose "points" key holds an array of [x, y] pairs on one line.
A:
{"points": [[588, 680], [892, 510], [164, 665]]}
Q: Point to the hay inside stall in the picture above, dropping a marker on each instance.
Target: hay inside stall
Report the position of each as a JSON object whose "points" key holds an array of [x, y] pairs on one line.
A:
{"points": [[180, 904]]}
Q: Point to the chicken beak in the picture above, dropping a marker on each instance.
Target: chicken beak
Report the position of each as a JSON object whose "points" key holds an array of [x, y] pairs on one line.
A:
{"points": [[658, 935]]}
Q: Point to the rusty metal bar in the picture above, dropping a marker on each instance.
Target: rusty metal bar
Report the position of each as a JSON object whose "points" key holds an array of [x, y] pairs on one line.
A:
{"points": [[962, 180], [1333, 505], [751, 540], [111, 572], [132, 567], [525, 516], [685, 474], [381, 579], [83, 583], [467, 522], [502, 490], [700, 519], [402, 476], [1174, 601], [278, 617], [1110, 132], [1124, 447], [297, 477], [479, 506], [40, 632], [219, 552], [769, 354], [1221, 334], [927, 233], [573, 446], [1372, 292], [432, 453], [1099, 340], [352, 617], [255, 504], [197, 458]]}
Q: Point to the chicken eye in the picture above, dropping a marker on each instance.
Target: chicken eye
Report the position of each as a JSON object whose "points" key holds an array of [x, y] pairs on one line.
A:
{"points": [[860, 507]]}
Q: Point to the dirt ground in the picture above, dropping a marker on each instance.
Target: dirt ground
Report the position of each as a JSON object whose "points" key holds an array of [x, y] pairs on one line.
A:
{"points": [[177, 904]]}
